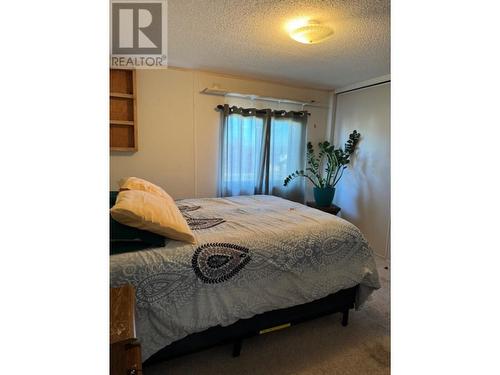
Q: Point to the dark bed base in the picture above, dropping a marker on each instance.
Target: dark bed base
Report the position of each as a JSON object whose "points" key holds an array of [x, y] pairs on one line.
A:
{"points": [[342, 301]]}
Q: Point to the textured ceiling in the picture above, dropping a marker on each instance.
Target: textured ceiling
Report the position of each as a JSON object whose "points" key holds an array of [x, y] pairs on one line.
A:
{"points": [[248, 37]]}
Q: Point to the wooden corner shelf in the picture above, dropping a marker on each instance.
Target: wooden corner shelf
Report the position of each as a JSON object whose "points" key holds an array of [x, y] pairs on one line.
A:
{"points": [[123, 149], [121, 95], [121, 122], [122, 110]]}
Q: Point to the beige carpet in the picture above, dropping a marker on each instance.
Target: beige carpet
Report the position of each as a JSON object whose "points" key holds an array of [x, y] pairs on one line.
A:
{"points": [[318, 347]]}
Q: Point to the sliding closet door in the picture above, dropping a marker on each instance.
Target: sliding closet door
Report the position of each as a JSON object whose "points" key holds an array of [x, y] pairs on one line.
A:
{"points": [[364, 191]]}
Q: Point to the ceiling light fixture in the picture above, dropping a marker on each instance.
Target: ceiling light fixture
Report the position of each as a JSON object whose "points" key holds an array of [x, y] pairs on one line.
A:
{"points": [[311, 32]]}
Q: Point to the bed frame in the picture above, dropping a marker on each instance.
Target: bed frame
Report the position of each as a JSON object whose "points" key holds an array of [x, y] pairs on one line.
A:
{"points": [[270, 321]]}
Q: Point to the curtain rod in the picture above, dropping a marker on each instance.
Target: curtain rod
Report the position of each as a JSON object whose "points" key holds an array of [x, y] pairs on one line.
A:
{"points": [[364, 87], [225, 108], [220, 92]]}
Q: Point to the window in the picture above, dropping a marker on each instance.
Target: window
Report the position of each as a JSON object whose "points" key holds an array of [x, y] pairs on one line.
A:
{"points": [[259, 149], [288, 140]]}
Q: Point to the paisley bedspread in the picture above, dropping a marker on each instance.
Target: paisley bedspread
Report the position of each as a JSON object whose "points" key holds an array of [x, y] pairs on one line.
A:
{"points": [[253, 254]]}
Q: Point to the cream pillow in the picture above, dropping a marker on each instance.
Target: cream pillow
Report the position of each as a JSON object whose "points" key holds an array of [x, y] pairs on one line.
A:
{"points": [[136, 183], [147, 211]]}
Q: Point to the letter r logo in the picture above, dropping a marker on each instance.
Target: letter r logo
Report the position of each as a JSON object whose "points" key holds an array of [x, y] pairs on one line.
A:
{"points": [[136, 28]]}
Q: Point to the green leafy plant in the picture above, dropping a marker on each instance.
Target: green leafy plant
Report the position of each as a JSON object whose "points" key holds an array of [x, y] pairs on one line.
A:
{"points": [[325, 169]]}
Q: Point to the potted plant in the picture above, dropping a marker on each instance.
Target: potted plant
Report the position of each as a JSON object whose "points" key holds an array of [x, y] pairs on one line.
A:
{"points": [[325, 170]]}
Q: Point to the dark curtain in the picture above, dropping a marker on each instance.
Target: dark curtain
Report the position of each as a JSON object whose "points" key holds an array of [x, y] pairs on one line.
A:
{"points": [[259, 148]]}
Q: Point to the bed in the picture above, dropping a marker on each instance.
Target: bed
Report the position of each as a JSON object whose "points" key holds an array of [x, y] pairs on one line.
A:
{"points": [[260, 263]]}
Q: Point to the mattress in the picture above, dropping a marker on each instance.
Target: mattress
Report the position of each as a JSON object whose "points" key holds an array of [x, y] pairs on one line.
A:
{"points": [[253, 254]]}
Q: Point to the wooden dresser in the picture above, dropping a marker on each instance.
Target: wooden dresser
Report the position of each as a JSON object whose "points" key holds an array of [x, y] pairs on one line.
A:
{"points": [[125, 350]]}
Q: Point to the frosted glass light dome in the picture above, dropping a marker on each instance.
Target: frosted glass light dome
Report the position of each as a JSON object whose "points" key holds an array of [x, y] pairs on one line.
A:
{"points": [[311, 33]]}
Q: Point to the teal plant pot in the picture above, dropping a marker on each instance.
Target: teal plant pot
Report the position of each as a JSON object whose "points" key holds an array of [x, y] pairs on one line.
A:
{"points": [[323, 196]]}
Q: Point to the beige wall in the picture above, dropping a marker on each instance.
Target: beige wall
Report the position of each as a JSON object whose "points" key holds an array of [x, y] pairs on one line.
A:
{"points": [[179, 128], [364, 191]]}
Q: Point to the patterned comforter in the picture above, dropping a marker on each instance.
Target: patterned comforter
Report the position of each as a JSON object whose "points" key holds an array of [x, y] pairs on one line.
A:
{"points": [[253, 254]]}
